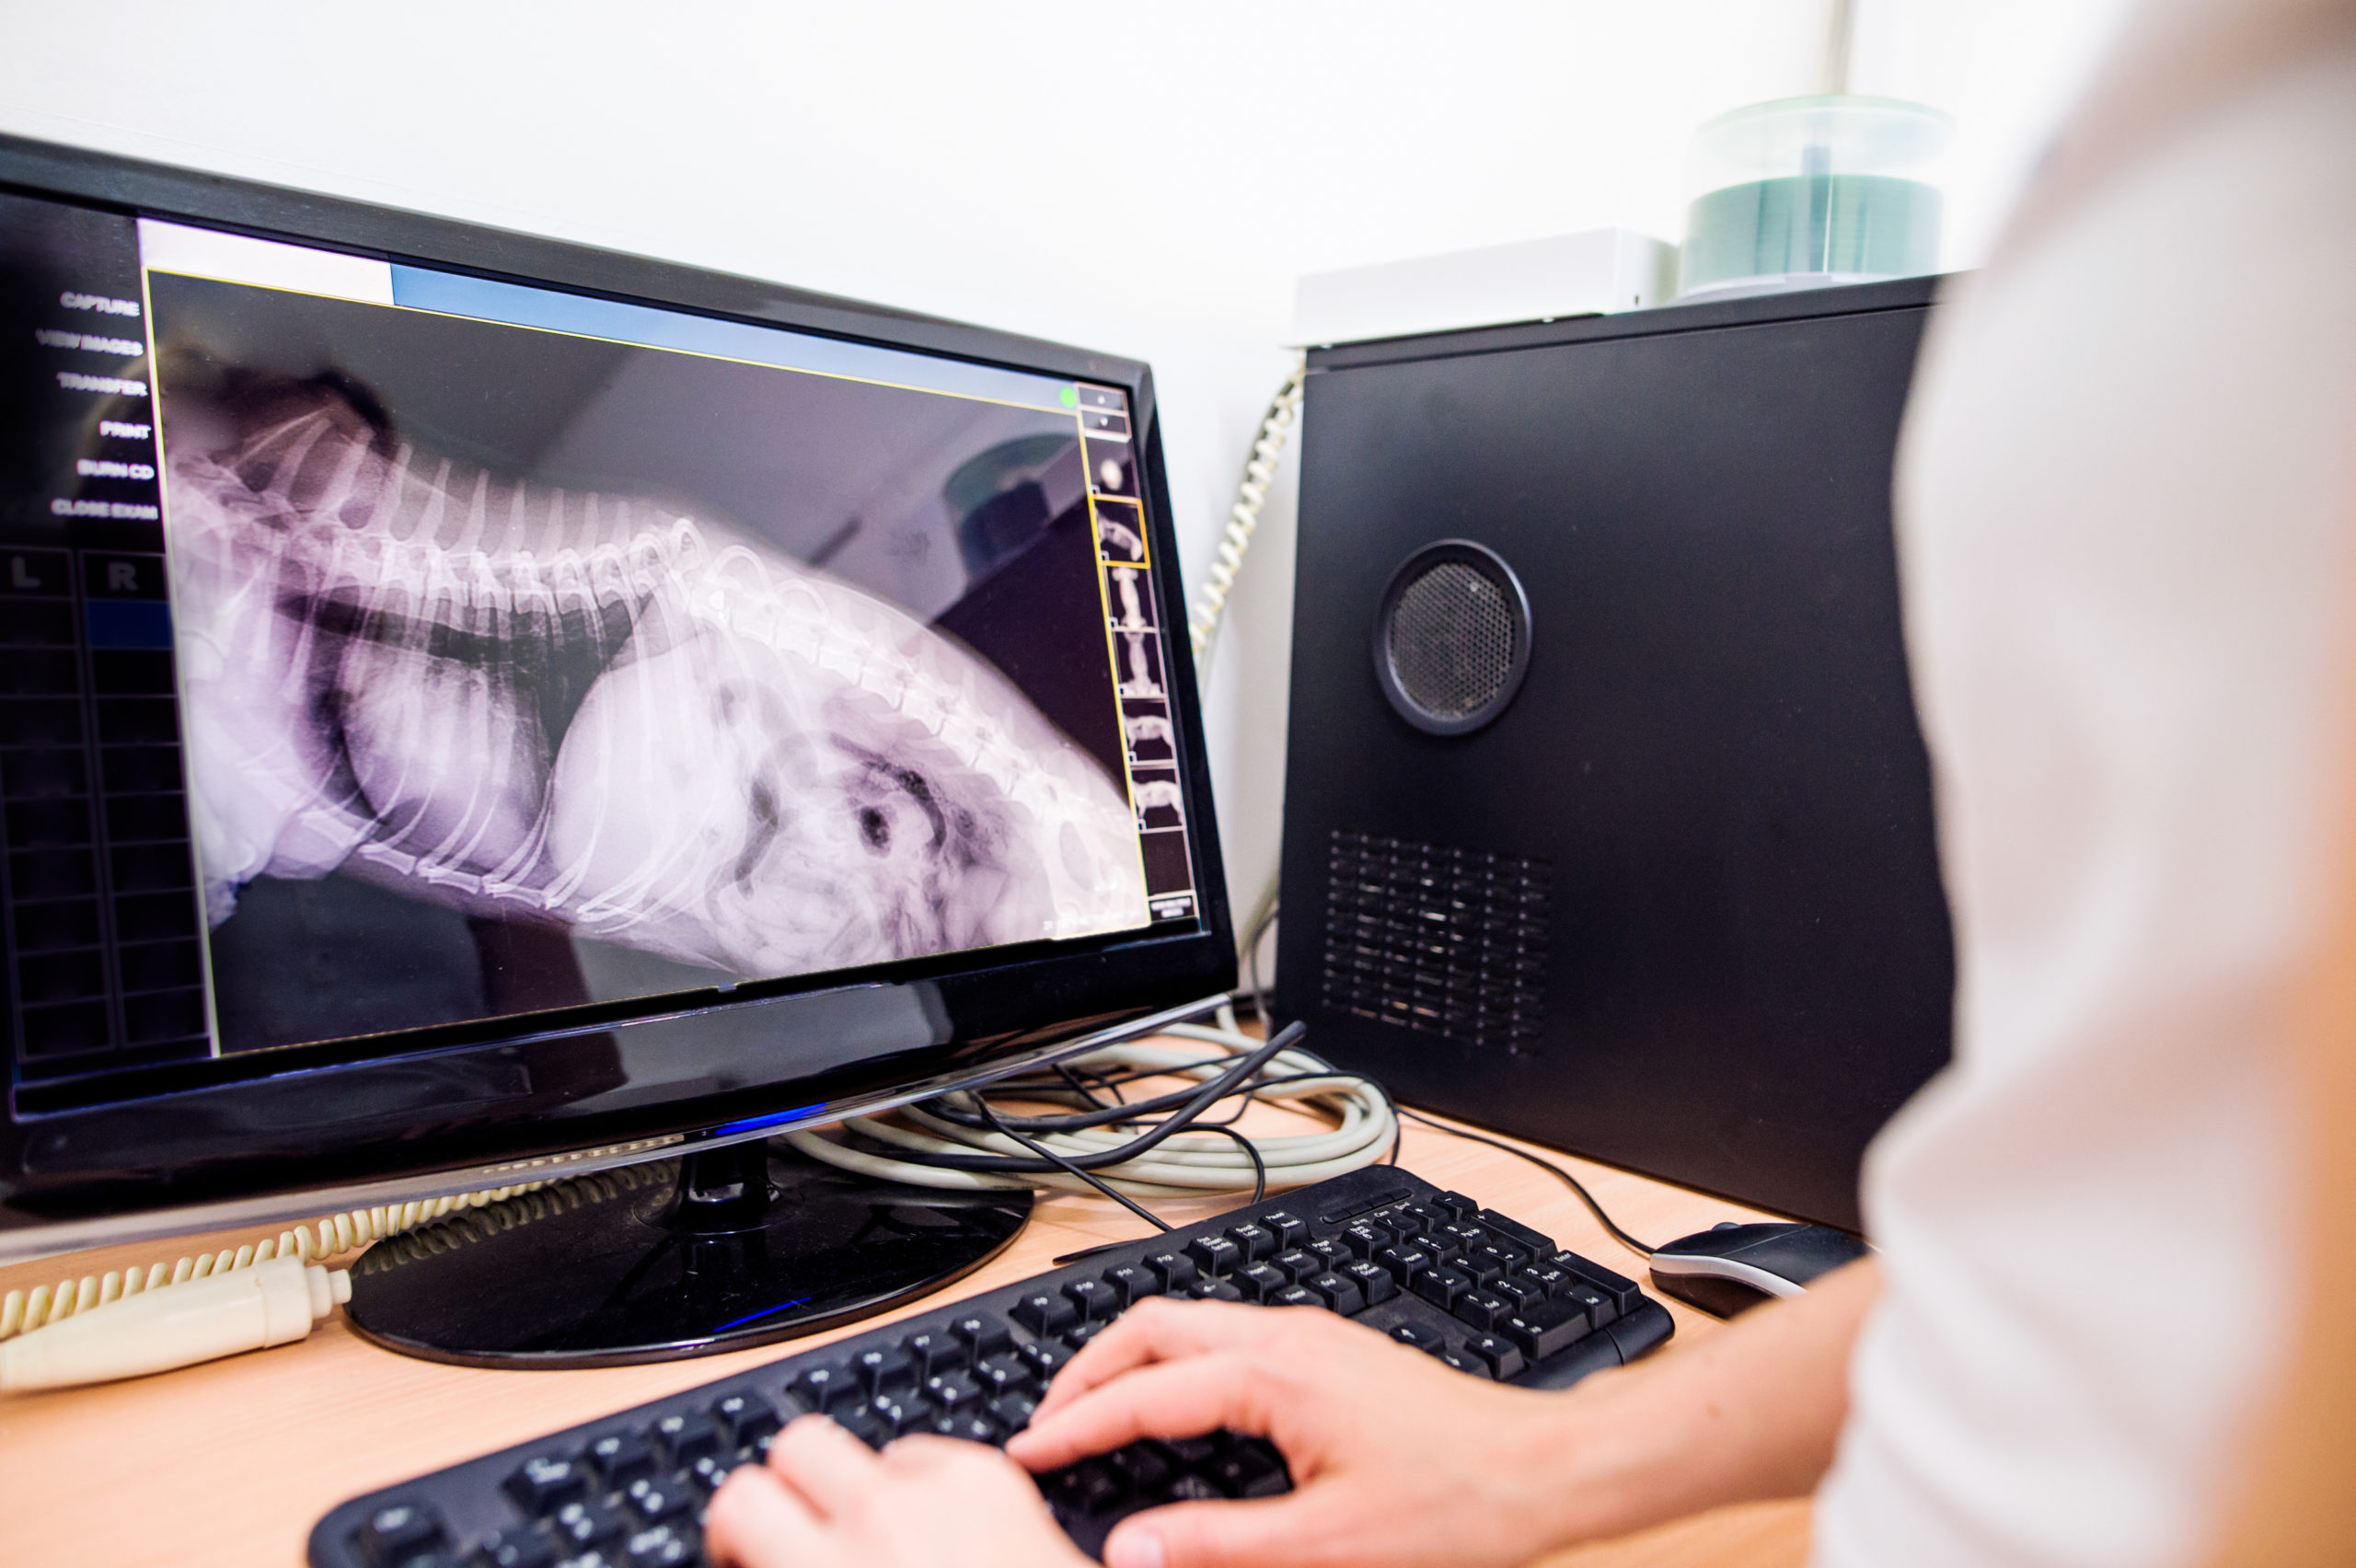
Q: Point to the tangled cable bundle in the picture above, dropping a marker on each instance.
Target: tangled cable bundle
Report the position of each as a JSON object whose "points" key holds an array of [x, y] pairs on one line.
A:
{"points": [[1158, 1148]]}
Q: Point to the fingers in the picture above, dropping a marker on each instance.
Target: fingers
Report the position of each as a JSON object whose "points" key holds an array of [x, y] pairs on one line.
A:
{"points": [[755, 1521], [824, 1464], [1214, 1535], [1159, 1330], [1175, 1399]]}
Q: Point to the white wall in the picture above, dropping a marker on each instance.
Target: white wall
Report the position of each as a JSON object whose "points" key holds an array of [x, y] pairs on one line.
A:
{"points": [[1145, 180]]}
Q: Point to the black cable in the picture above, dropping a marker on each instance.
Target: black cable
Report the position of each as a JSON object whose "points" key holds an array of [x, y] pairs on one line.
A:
{"points": [[1259, 1166], [1259, 995], [1078, 1088], [1216, 1089], [1045, 1153], [1572, 1181]]}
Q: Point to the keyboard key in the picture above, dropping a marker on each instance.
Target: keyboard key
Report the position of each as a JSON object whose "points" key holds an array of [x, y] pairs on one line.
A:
{"points": [[953, 1390], [1365, 1240], [1192, 1453], [1334, 1254], [1297, 1264], [884, 1368], [1491, 1261], [621, 1458], [1457, 1204], [1502, 1355], [934, 1350], [745, 1418], [1443, 1247], [686, 1438], [1535, 1244], [1465, 1361], [1214, 1290], [1599, 1306], [1442, 1288], [544, 1483], [1012, 1411], [1547, 1327], [863, 1423], [1080, 1334], [966, 1426], [983, 1333], [395, 1534], [1215, 1254], [1250, 1468], [823, 1387], [1261, 1281], [1177, 1271], [1340, 1293], [1146, 1467], [1093, 1298], [587, 1523], [1290, 1229], [1404, 1262], [1090, 1486], [711, 1469], [515, 1549], [1518, 1290], [1295, 1295], [1045, 1357], [1132, 1283], [1046, 1314], [1550, 1279], [1002, 1373], [894, 1413], [1420, 1337], [1374, 1282], [1622, 1291], [1481, 1309], [655, 1501], [665, 1546], [1256, 1242]]}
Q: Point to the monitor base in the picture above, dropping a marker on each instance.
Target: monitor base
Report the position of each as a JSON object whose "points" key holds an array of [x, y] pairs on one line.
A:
{"points": [[712, 1251]]}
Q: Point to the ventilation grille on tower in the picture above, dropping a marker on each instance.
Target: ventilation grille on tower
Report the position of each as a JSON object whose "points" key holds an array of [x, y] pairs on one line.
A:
{"points": [[1451, 640], [1447, 941]]}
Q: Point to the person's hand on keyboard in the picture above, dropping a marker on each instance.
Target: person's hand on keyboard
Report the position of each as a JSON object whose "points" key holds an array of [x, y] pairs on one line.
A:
{"points": [[826, 1500], [1395, 1458]]}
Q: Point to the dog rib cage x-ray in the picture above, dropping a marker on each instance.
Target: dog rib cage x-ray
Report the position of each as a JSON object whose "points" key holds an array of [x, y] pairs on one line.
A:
{"points": [[480, 619]]}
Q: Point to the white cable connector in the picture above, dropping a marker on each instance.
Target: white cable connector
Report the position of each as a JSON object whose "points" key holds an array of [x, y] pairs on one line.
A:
{"points": [[129, 1323], [1243, 516], [250, 1309]]}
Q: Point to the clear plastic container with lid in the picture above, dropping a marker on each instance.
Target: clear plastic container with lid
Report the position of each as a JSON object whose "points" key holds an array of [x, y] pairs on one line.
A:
{"points": [[1807, 191]]}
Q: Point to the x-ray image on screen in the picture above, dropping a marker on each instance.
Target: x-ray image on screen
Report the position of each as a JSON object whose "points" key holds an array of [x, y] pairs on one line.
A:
{"points": [[499, 631]]}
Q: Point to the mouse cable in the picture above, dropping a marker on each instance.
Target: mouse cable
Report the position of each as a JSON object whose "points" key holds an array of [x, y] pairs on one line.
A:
{"points": [[1568, 1180]]}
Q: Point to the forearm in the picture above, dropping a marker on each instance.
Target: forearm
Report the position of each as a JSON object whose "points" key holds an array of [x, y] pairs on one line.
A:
{"points": [[1753, 1412]]}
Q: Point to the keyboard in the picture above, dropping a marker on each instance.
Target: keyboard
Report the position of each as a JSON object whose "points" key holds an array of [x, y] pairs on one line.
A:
{"points": [[1482, 1293]]}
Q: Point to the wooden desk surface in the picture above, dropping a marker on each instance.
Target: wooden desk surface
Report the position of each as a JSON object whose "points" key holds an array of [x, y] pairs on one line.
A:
{"points": [[231, 1463]]}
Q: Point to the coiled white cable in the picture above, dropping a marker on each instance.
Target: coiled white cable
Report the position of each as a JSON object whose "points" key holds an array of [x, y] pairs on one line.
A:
{"points": [[1187, 1164], [22, 1311], [1243, 514]]}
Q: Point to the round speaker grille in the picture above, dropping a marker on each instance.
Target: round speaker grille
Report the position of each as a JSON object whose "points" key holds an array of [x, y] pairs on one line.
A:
{"points": [[1452, 640]]}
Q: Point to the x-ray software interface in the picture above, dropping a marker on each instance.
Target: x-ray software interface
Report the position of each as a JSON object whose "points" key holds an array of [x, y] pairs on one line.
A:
{"points": [[391, 650]]}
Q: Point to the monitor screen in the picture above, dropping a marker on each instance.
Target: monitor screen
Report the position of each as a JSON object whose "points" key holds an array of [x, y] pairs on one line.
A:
{"points": [[394, 655]]}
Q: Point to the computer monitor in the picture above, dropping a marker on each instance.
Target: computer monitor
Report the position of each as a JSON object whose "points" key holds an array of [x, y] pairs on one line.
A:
{"points": [[475, 709]]}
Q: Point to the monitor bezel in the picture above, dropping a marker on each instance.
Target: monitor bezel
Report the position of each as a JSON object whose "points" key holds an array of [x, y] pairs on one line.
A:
{"points": [[217, 1150]]}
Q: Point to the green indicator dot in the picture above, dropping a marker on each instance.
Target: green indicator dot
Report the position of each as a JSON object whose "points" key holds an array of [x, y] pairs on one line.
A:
{"points": [[1070, 396]]}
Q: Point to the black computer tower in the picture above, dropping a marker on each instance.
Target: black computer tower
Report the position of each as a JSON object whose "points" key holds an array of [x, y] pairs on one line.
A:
{"points": [[1607, 820]]}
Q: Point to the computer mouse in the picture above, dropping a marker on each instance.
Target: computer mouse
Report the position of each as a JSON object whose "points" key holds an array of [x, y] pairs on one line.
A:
{"points": [[1734, 1267]]}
